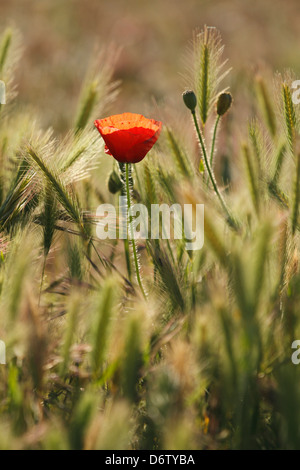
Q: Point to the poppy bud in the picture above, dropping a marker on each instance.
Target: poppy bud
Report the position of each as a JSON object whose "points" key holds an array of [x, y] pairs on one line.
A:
{"points": [[114, 183], [190, 99], [223, 103]]}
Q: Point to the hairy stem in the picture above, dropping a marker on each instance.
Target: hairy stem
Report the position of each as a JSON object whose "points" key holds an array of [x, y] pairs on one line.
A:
{"points": [[212, 151], [126, 242], [129, 229], [230, 219]]}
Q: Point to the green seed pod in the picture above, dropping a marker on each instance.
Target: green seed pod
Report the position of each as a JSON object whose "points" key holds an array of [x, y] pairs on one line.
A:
{"points": [[114, 182], [190, 99], [223, 103]]}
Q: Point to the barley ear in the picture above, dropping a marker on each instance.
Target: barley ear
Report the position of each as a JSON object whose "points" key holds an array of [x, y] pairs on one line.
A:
{"points": [[296, 193], [86, 106], [98, 89], [279, 159], [104, 311], [133, 358], [215, 242], [182, 162], [252, 178], [208, 68], [290, 115], [49, 218], [4, 48], [69, 203], [268, 111]]}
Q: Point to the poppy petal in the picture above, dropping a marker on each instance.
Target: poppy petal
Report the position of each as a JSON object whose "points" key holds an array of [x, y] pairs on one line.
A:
{"points": [[128, 137]]}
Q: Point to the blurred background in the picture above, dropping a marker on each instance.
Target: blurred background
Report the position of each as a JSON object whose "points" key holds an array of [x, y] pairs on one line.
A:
{"points": [[59, 39]]}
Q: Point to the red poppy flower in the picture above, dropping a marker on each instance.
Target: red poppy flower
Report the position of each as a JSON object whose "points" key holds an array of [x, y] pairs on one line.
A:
{"points": [[128, 137]]}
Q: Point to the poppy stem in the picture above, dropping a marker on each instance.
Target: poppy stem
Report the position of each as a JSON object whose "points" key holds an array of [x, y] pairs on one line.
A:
{"points": [[230, 219], [126, 243], [129, 228], [212, 151]]}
